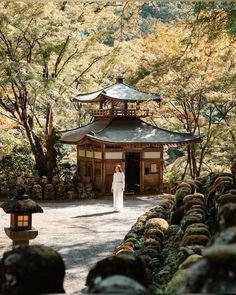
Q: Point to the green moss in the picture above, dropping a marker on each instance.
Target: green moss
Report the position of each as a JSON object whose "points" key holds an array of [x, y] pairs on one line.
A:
{"points": [[193, 202], [226, 198], [194, 196], [197, 249], [155, 233], [185, 185], [221, 255], [155, 214], [131, 234], [174, 231], [128, 243], [138, 227], [186, 251], [160, 223], [197, 231], [166, 204], [189, 261], [194, 210], [158, 208], [195, 240], [195, 185], [152, 242], [124, 251], [138, 243], [198, 225], [188, 220], [145, 258], [227, 236], [170, 198], [150, 251], [223, 185], [179, 196], [125, 247], [177, 215], [223, 179], [176, 284], [133, 240], [142, 218], [210, 192]]}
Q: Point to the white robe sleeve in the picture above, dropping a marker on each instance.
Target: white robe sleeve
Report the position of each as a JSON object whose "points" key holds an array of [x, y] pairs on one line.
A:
{"points": [[112, 185], [123, 180]]}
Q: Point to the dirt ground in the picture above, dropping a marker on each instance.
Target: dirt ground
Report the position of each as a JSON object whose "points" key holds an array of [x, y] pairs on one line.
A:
{"points": [[83, 232]]}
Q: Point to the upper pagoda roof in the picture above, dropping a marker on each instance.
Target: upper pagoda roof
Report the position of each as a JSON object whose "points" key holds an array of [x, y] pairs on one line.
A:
{"points": [[123, 131], [117, 91]]}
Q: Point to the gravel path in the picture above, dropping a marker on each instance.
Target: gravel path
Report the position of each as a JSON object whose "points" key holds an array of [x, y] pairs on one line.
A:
{"points": [[83, 232]]}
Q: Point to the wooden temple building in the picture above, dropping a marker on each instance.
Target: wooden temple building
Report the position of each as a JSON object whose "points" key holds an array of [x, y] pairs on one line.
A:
{"points": [[118, 135]]}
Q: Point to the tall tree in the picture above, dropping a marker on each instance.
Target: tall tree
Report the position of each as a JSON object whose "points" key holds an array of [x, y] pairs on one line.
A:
{"points": [[194, 73], [37, 50], [50, 51]]}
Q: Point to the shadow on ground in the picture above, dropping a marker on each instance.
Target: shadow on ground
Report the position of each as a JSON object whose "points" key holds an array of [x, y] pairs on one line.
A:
{"points": [[95, 214]]}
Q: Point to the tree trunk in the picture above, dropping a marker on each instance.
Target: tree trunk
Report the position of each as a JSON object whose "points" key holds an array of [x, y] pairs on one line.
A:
{"points": [[189, 160], [45, 163], [51, 156]]}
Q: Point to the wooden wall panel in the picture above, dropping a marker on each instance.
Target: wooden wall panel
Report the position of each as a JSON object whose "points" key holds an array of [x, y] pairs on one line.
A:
{"points": [[98, 176]]}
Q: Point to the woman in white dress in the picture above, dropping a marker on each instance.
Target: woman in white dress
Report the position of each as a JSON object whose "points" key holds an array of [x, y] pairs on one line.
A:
{"points": [[118, 187]]}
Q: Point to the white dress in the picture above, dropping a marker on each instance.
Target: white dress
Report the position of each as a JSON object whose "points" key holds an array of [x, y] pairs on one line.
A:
{"points": [[118, 187]]}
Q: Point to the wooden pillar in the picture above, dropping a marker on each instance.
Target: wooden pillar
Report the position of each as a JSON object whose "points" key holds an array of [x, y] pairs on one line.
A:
{"points": [[126, 108], [78, 163], [93, 165], [142, 171], [161, 171], [101, 104], [103, 175]]}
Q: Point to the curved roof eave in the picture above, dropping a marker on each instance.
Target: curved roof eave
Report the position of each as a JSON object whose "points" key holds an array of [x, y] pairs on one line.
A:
{"points": [[91, 96], [75, 135], [173, 132], [117, 91], [138, 131], [196, 140], [127, 100], [122, 130]]}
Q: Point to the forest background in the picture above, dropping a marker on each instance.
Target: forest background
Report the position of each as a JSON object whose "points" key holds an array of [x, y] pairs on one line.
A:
{"points": [[184, 51]]}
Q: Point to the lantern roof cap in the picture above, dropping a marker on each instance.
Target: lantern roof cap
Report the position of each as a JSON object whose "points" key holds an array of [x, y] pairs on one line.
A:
{"points": [[21, 203]]}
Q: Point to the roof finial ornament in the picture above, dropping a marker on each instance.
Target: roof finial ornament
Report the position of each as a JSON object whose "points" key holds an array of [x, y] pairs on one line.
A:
{"points": [[119, 79]]}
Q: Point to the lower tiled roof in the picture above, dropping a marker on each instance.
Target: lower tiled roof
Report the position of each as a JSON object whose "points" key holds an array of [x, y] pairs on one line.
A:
{"points": [[126, 130]]}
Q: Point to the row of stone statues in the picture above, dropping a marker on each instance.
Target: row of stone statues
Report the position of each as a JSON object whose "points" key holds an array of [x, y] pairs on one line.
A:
{"points": [[58, 189], [39, 269]]}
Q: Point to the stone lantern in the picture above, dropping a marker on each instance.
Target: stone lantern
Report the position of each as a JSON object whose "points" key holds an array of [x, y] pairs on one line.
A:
{"points": [[21, 208]]}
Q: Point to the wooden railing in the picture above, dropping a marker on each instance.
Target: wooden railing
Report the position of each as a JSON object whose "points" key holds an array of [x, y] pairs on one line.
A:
{"points": [[119, 113]]}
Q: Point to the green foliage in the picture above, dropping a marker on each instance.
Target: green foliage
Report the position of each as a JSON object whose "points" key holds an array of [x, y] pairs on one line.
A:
{"points": [[172, 177], [216, 17], [16, 163], [183, 51], [165, 11], [173, 154], [67, 169]]}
